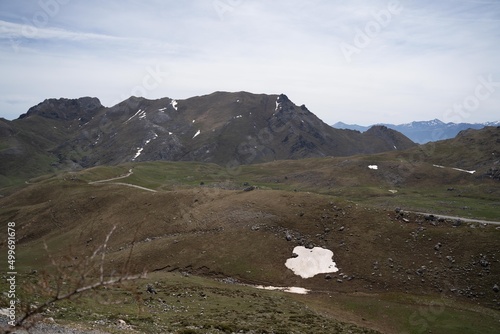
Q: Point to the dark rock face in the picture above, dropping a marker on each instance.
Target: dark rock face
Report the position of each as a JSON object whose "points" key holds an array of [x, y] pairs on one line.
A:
{"points": [[66, 109]]}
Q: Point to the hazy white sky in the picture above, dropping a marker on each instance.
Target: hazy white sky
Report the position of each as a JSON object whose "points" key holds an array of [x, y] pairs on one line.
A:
{"points": [[359, 61]]}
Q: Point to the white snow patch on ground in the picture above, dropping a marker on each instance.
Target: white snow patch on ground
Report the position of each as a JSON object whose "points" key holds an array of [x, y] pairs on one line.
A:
{"points": [[466, 171], [291, 289], [239, 116], [197, 133], [149, 140], [139, 151], [458, 169], [395, 147], [194, 120], [174, 104], [162, 109], [311, 262], [373, 166], [393, 191], [170, 133], [137, 113]]}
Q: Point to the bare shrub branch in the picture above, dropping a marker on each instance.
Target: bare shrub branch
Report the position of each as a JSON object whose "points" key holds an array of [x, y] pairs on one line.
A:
{"points": [[80, 275]]}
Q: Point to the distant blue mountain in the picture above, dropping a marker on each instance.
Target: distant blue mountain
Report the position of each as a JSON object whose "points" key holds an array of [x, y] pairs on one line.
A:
{"points": [[423, 131]]}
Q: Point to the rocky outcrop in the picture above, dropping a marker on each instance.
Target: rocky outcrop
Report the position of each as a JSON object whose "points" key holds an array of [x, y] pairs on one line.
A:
{"points": [[66, 109]]}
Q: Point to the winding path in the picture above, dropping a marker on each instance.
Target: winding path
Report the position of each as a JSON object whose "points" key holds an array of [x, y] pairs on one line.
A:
{"points": [[130, 172]]}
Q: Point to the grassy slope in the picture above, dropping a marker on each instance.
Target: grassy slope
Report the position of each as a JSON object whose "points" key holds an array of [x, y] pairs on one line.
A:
{"points": [[419, 186], [194, 304], [211, 230]]}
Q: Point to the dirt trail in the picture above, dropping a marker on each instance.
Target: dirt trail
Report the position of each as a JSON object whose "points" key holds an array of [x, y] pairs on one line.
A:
{"points": [[468, 220], [130, 172], [133, 186]]}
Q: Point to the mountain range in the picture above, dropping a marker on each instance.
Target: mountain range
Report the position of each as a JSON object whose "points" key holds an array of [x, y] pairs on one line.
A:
{"points": [[422, 131], [229, 129]]}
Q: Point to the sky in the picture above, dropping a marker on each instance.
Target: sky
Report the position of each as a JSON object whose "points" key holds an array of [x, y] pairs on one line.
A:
{"points": [[358, 61]]}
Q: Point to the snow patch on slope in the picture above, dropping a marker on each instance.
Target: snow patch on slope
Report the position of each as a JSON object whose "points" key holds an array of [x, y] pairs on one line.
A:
{"points": [[140, 149], [290, 289], [457, 169], [140, 111], [311, 262], [466, 171]]}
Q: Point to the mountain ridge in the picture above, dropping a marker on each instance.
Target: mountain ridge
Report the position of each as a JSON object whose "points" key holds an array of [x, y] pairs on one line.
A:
{"points": [[422, 132]]}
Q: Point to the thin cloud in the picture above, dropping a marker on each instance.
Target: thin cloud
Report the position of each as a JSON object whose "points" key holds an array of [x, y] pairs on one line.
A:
{"points": [[16, 30], [428, 57]]}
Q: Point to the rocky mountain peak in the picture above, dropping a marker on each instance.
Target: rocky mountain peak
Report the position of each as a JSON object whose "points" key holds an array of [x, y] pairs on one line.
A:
{"points": [[283, 98], [390, 136], [65, 109]]}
